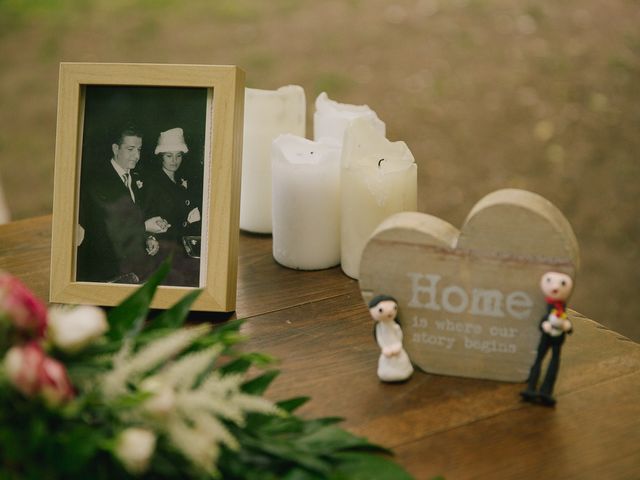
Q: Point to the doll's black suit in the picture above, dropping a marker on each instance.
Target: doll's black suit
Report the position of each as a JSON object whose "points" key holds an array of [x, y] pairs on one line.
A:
{"points": [[546, 342], [114, 245]]}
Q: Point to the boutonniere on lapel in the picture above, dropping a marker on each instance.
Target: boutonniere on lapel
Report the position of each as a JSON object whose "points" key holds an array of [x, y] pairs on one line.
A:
{"points": [[139, 183], [183, 183]]}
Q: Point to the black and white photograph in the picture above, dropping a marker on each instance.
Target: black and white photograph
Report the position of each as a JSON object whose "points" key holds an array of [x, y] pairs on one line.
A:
{"points": [[142, 172]]}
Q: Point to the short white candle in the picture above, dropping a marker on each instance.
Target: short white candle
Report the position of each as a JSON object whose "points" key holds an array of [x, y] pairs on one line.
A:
{"points": [[331, 119], [267, 114], [306, 203], [379, 178]]}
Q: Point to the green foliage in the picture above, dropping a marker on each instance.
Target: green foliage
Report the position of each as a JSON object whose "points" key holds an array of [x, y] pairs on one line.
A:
{"points": [[38, 443], [259, 385], [128, 317], [77, 440], [291, 447], [355, 466], [175, 316]]}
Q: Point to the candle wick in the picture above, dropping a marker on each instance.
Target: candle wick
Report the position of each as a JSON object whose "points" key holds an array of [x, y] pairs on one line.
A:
{"points": [[380, 161]]}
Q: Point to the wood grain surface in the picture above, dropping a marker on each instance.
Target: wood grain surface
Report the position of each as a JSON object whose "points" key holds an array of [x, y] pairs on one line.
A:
{"points": [[317, 325]]}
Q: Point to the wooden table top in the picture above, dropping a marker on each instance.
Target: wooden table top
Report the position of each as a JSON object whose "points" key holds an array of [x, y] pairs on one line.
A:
{"points": [[318, 325]]}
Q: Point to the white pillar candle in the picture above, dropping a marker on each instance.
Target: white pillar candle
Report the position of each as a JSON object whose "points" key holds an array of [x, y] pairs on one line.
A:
{"points": [[379, 178], [331, 119], [306, 203], [267, 114]]}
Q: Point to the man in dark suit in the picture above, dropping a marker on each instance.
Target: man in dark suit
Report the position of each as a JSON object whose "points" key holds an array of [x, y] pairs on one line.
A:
{"points": [[117, 240]]}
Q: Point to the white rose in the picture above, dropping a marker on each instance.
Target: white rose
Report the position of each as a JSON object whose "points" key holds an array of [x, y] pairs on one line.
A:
{"points": [[134, 449], [72, 329], [13, 366]]}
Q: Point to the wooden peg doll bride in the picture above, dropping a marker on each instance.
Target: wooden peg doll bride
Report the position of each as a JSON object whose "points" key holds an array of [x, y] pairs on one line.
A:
{"points": [[394, 364]]}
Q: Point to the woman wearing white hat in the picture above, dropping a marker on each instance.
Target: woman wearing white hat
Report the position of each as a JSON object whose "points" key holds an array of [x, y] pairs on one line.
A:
{"points": [[169, 195]]}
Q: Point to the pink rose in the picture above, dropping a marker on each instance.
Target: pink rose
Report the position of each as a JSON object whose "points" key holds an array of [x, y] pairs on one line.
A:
{"points": [[33, 373], [22, 365], [55, 386], [20, 305]]}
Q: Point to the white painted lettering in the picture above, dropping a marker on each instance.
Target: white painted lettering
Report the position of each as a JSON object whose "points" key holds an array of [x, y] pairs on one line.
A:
{"points": [[459, 327], [506, 332], [489, 346], [486, 302], [455, 299], [462, 303], [418, 322], [434, 340], [519, 305], [419, 289]]}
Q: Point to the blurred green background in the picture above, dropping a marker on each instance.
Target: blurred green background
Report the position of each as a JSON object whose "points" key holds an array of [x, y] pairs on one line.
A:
{"points": [[534, 94]]}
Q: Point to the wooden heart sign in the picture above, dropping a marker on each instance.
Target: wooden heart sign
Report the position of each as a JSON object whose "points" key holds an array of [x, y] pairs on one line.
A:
{"points": [[469, 300]]}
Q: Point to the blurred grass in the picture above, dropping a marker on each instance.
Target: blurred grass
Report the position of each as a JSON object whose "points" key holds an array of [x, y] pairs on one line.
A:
{"points": [[487, 93], [334, 82], [259, 63]]}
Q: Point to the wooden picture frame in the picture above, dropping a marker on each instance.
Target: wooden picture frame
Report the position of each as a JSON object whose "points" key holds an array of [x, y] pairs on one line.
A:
{"points": [[94, 99]]}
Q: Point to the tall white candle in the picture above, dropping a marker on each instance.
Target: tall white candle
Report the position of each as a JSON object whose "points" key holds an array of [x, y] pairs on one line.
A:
{"points": [[331, 119], [267, 114], [379, 178], [306, 203]]}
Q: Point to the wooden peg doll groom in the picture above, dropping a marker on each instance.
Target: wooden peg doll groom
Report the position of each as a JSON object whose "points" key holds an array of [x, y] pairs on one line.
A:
{"points": [[555, 326]]}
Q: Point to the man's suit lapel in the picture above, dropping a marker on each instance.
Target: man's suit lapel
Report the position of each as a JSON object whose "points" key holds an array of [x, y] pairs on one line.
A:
{"points": [[118, 184], [115, 182]]}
